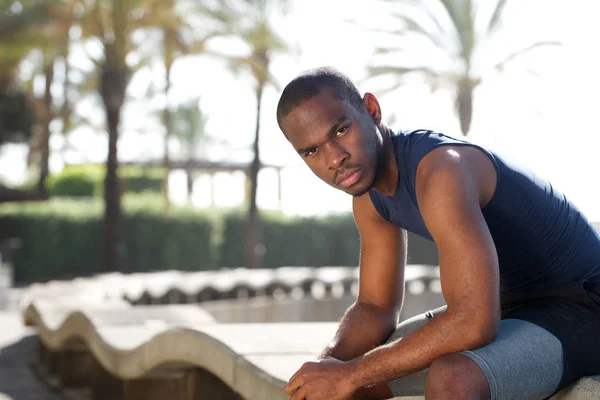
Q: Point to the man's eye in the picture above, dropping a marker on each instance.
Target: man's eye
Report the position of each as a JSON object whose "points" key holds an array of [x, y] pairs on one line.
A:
{"points": [[341, 131], [310, 152]]}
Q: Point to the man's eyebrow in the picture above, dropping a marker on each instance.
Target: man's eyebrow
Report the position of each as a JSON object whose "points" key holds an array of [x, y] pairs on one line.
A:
{"points": [[330, 134]]}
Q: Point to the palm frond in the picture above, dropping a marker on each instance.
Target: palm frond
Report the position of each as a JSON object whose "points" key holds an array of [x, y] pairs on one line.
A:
{"points": [[495, 20], [462, 15], [383, 51], [97, 16], [430, 9], [273, 81], [144, 61], [413, 26], [511, 57], [375, 71], [11, 25], [532, 72]]}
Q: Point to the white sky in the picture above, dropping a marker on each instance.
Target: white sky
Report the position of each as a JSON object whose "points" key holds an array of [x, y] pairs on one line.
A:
{"points": [[549, 123]]}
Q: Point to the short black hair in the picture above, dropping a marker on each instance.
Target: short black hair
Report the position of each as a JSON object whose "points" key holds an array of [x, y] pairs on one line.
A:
{"points": [[309, 84]]}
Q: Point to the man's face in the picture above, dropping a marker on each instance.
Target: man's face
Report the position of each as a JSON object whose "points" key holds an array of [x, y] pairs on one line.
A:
{"points": [[338, 142]]}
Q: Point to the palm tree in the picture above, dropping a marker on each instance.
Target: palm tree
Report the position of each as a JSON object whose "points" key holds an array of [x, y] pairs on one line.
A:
{"points": [[18, 119], [54, 41], [187, 124], [179, 39], [112, 23], [30, 30], [253, 25], [16, 111], [454, 28]]}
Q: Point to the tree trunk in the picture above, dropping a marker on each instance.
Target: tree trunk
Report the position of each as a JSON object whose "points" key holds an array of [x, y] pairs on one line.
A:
{"points": [[112, 198], [45, 128], [167, 118], [254, 248], [66, 111], [464, 103], [113, 84], [190, 182]]}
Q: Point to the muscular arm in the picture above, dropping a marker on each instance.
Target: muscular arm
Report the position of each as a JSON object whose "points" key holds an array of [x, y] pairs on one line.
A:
{"points": [[452, 184], [373, 317]]}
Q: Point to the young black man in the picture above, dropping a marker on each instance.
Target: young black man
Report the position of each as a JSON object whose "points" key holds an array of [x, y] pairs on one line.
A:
{"points": [[519, 263]]}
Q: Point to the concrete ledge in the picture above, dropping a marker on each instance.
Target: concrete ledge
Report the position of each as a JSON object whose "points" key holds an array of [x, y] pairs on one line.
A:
{"points": [[584, 389], [53, 313], [248, 358], [120, 351], [253, 360]]}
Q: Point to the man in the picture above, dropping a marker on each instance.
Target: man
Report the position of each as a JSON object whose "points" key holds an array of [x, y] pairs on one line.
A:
{"points": [[519, 264]]}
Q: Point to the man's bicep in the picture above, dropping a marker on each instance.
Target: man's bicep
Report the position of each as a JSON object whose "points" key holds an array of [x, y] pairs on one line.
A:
{"points": [[448, 194], [382, 257]]}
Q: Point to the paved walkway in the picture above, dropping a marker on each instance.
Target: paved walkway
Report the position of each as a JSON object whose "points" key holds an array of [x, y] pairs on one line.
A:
{"points": [[18, 348]]}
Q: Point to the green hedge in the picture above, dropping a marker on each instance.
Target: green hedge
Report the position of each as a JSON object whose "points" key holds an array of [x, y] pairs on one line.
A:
{"points": [[73, 184], [141, 180], [294, 241], [88, 180], [188, 239], [62, 238]]}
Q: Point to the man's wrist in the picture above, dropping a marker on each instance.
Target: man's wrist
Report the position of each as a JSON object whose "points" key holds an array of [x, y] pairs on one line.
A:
{"points": [[356, 372]]}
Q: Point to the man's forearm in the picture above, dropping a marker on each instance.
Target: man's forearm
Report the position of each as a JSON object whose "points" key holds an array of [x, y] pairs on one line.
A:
{"points": [[362, 328], [443, 335]]}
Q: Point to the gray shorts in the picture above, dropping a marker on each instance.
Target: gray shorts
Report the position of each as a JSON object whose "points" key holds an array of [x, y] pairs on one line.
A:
{"points": [[523, 362]]}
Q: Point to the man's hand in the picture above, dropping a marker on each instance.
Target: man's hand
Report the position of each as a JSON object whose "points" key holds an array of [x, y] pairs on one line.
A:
{"points": [[327, 379]]}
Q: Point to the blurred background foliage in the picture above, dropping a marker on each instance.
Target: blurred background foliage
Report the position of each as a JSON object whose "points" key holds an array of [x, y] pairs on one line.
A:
{"points": [[90, 218], [62, 238]]}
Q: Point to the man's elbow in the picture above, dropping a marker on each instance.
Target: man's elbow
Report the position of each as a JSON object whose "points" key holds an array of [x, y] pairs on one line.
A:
{"points": [[481, 334], [382, 318]]}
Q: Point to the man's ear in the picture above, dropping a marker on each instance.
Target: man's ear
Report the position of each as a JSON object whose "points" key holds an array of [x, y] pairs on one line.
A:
{"points": [[372, 105]]}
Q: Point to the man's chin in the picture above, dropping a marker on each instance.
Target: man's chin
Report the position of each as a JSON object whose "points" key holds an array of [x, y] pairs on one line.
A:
{"points": [[357, 190], [358, 193]]}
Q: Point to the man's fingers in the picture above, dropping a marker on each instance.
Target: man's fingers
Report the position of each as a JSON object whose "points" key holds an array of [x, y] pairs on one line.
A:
{"points": [[294, 384], [302, 368], [300, 394]]}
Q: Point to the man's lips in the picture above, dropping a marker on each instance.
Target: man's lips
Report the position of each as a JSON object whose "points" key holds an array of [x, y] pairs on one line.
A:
{"points": [[350, 178]]}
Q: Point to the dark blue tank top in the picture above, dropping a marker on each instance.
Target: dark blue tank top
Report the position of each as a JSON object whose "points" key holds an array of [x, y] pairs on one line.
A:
{"points": [[542, 240]]}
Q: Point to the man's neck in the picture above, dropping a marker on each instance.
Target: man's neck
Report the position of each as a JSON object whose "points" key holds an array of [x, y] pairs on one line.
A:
{"points": [[387, 177]]}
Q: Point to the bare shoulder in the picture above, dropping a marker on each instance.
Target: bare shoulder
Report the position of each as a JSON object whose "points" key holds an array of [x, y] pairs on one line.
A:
{"points": [[460, 166]]}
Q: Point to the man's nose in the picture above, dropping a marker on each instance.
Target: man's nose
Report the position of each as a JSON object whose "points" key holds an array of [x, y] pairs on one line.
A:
{"points": [[336, 155]]}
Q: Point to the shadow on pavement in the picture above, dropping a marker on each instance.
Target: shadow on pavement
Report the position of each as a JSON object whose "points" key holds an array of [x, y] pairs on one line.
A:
{"points": [[18, 380]]}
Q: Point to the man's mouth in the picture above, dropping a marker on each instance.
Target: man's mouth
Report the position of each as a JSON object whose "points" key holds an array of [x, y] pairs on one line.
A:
{"points": [[350, 178]]}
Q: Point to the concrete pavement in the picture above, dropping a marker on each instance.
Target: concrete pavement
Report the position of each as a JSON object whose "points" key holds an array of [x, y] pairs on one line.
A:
{"points": [[18, 349]]}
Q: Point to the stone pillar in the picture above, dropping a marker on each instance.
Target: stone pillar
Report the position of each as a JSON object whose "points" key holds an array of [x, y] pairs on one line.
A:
{"points": [[75, 366], [209, 387], [159, 385], [247, 187], [178, 384], [104, 386], [48, 359], [174, 297], [279, 203], [48, 365], [212, 189]]}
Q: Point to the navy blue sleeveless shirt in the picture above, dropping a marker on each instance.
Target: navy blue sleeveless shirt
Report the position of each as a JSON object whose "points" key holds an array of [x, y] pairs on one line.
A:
{"points": [[542, 239], [548, 252]]}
